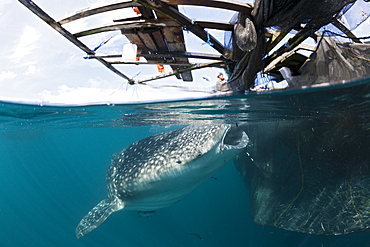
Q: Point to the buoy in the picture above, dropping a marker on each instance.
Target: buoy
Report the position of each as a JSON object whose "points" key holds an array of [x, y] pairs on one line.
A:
{"points": [[160, 68]]}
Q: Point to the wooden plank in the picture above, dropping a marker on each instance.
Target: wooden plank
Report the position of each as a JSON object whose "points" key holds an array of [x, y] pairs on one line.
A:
{"points": [[45, 17], [181, 19], [147, 39], [159, 40], [146, 13], [221, 25], [98, 10], [175, 38], [185, 74], [140, 40], [223, 4], [175, 42], [127, 25]]}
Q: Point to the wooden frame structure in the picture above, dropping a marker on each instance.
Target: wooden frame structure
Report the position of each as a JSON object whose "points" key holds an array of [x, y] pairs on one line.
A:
{"points": [[157, 30]]}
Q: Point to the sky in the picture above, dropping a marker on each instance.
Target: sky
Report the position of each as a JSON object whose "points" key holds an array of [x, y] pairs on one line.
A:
{"points": [[40, 66]]}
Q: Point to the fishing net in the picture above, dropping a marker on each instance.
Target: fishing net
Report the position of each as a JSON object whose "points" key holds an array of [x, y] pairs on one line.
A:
{"points": [[249, 35], [310, 176], [333, 62]]}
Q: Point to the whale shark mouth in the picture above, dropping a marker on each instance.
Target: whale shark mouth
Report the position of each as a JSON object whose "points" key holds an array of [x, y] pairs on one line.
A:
{"points": [[235, 137]]}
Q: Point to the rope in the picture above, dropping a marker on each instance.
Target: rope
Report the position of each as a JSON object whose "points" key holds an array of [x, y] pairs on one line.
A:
{"points": [[343, 36], [101, 44], [208, 40]]}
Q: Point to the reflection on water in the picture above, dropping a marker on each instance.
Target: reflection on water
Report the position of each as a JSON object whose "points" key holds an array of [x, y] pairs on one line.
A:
{"points": [[305, 169]]}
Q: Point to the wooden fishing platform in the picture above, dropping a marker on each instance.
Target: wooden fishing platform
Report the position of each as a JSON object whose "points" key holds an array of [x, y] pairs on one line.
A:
{"points": [[157, 31]]}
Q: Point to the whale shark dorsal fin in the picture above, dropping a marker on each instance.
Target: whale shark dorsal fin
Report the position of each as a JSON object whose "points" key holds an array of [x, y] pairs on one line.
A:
{"points": [[98, 215]]}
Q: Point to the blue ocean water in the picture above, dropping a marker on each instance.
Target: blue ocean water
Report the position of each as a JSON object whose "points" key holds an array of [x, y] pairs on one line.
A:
{"points": [[54, 161]]}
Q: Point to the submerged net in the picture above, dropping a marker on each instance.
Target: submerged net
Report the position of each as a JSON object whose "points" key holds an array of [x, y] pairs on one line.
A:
{"points": [[310, 176], [248, 42]]}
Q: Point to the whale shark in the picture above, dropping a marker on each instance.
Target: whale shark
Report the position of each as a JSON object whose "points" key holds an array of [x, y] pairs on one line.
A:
{"points": [[160, 170]]}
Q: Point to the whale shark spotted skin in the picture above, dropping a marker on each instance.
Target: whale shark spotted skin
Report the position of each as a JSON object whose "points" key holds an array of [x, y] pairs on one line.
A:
{"points": [[160, 170]]}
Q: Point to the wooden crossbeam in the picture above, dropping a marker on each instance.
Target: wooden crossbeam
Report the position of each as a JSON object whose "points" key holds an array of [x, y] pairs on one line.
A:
{"points": [[98, 10], [128, 25], [184, 21], [57, 26], [156, 63], [135, 18], [221, 25], [158, 54], [223, 4]]}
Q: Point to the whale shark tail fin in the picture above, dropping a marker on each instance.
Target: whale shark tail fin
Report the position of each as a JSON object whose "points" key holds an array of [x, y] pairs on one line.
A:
{"points": [[98, 215]]}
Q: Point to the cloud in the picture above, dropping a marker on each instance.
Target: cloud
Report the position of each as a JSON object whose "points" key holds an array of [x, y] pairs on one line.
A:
{"points": [[26, 43], [5, 75], [31, 70], [3, 3]]}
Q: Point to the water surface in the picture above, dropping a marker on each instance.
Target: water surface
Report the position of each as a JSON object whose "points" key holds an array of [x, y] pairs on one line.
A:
{"points": [[54, 160]]}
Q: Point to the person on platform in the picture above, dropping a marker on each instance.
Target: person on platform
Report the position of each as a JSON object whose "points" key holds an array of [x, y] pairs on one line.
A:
{"points": [[221, 84]]}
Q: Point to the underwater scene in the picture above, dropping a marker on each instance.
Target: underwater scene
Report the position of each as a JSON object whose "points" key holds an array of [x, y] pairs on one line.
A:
{"points": [[283, 168]]}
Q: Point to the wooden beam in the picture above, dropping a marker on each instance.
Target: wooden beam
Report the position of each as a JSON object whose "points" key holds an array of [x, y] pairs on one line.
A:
{"points": [[221, 25], [182, 20], [293, 42], [175, 41], [45, 17], [128, 25], [93, 11], [155, 63], [346, 31], [223, 4], [166, 54], [135, 18]]}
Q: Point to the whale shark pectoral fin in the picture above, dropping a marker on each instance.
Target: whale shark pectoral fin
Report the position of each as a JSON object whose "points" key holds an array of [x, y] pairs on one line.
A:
{"points": [[239, 143], [97, 216]]}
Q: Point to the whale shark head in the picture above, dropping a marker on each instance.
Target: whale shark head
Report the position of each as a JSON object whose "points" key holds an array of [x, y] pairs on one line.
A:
{"points": [[159, 170]]}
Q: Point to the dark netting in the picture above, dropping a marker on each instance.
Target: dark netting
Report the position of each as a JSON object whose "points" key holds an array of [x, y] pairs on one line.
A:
{"points": [[274, 13], [231, 50], [309, 176], [334, 62]]}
